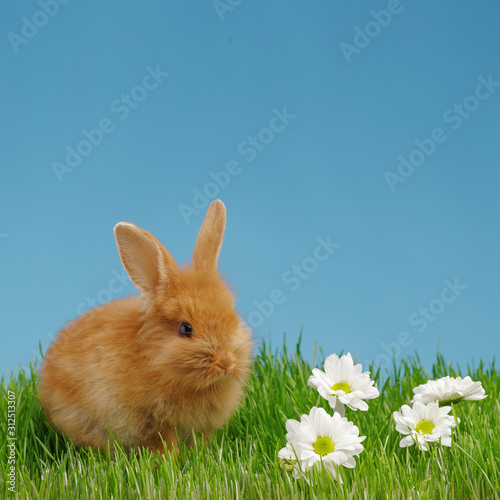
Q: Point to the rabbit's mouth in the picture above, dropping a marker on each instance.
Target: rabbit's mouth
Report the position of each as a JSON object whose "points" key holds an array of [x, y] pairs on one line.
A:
{"points": [[219, 374]]}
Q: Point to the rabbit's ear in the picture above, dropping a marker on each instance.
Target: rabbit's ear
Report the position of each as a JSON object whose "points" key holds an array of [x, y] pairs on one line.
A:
{"points": [[209, 241], [146, 260]]}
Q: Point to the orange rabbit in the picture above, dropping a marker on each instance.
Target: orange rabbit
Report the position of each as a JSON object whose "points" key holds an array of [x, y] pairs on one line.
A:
{"points": [[172, 360]]}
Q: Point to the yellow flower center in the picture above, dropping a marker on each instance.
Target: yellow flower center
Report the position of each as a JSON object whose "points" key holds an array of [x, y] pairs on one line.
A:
{"points": [[341, 386], [323, 446], [425, 427]]}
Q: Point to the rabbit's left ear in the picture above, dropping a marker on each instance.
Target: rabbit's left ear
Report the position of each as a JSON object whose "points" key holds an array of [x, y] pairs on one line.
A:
{"points": [[209, 241]]}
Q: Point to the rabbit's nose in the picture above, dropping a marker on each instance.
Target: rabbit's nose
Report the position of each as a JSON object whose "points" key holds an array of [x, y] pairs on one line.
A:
{"points": [[222, 368], [225, 363]]}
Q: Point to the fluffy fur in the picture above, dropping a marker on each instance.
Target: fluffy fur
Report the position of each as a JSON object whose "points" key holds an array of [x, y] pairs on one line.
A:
{"points": [[123, 366]]}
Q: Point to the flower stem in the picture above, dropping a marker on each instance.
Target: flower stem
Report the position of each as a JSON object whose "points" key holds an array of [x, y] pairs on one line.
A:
{"points": [[455, 417]]}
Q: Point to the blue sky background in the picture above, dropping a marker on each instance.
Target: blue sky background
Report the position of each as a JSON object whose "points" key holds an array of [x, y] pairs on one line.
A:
{"points": [[322, 176]]}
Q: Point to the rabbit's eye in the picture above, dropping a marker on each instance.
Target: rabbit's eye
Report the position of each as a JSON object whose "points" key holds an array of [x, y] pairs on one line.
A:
{"points": [[186, 330]]}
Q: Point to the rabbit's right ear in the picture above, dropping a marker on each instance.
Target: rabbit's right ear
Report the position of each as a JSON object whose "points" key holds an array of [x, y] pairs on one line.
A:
{"points": [[209, 240], [147, 262]]}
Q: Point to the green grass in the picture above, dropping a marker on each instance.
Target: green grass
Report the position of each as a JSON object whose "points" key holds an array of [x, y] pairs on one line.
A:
{"points": [[241, 460]]}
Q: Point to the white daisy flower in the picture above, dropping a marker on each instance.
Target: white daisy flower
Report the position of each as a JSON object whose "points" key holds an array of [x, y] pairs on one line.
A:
{"points": [[321, 440], [424, 424], [448, 389], [342, 383]]}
